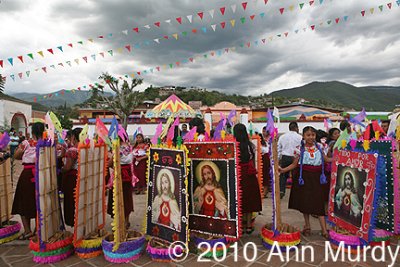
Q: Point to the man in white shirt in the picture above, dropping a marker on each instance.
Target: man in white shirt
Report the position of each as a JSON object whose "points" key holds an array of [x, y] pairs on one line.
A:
{"points": [[287, 144]]}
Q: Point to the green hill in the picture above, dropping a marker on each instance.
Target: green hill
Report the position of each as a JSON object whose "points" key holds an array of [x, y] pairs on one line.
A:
{"points": [[373, 98]]}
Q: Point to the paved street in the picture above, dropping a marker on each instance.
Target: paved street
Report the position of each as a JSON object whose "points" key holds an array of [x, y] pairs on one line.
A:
{"points": [[17, 253]]}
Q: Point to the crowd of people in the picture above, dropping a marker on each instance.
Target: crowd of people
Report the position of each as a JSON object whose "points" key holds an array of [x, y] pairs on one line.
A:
{"points": [[304, 157]]}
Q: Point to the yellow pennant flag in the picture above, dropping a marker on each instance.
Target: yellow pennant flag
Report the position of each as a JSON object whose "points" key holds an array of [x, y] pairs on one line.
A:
{"points": [[41, 53], [77, 61], [372, 10], [233, 22], [133, 75], [119, 50], [291, 7], [84, 134], [175, 36]]}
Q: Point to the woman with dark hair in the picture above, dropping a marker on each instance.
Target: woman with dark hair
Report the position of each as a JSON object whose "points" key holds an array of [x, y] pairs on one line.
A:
{"points": [[140, 163], [24, 199], [70, 174], [309, 193], [265, 137], [201, 128], [251, 199]]}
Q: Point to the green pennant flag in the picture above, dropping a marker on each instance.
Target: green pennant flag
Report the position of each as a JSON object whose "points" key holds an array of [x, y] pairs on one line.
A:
{"points": [[205, 55], [241, 45], [184, 33], [30, 55], [301, 5], [80, 42], [110, 52], [381, 8], [28, 73], [242, 19], [171, 65], [329, 22]]}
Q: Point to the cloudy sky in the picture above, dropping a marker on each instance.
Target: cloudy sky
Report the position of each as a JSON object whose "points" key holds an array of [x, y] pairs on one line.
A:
{"points": [[362, 50]]}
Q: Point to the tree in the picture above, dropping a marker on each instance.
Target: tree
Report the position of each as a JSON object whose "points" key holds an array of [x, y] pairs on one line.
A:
{"points": [[125, 100], [65, 114], [1, 84]]}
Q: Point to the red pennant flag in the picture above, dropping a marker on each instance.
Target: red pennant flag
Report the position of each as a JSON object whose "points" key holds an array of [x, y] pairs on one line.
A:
{"points": [[389, 5], [212, 54], [244, 5], [265, 1], [138, 72], [223, 25], [200, 14], [157, 24], [62, 65], [51, 51], [34, 99], [363, 13], [281, 10], [50, 95], [20, 75], [252, 17], [44, 69], [191, 59], [70, 45], [312, 27], [158, 68], [263, 40], [337, 20], [226, 50], [102, 54], [286, 34], [1, 62], [177, 63], [21, 58], [136, 30], [194, 30], [248, 44], [222, 9], [179, 20], [79, 88], [85, 58], [166, 37], [100, 36], [128, 47], [311, 2]]}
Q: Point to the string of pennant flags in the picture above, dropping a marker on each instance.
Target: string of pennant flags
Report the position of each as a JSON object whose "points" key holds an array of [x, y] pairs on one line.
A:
{"points": [[179, 20], [220, 52], [129, 47]]}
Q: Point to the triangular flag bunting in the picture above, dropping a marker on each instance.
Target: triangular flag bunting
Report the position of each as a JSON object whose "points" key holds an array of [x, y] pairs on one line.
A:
{"points": [[147, 26], [389, 5], [248, 44], [337, 20], [69, 63], [12, 77], [265, 1], [60, 48], [211, 12], [190, 18], [171, 65], [85, 59], [100, 36], [20, 75], [363, 13], [44, 69], [166, 37], [119, 50], [28, 73], [179, 20], [40, 53], [200, 14], [194, 31], [296, 31], [168, 21], [30, 55], [329, 22], [52, 66], [128, 47], [312, 27], [191, 59], [212, 54], [50, 51], [321, 1], [222, 25], [94, 57], [291, 7], [252, 17], [244, 5], [102, 54], [345, 18], [21, 58], [157, 41], [381, 7], [311, 2], [204, 29], [158, 68], [214, 27], [222, 9], [77, 61], [80, 42], [262, 15], [232, 22], [398, 2], [263, 40], [233, 7], [124, 32], [372, 10], [110, 52], [175, 36], [242, 19], [286, 34], [177, 63], [11, 61], [301, 5], [70, 45], [281, 10], [136, 30]]}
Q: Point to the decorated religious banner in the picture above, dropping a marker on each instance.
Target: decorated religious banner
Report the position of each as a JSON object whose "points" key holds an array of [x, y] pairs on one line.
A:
{"points": [[167, 203], [214, 188], [90, 200], [355, 192]]}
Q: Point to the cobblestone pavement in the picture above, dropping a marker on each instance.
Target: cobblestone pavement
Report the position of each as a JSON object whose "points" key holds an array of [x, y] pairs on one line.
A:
{"points": [[17, 253]]}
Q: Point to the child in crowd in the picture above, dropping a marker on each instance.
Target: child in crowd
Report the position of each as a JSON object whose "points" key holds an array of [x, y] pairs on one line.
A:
{"points": [[308, 193]]}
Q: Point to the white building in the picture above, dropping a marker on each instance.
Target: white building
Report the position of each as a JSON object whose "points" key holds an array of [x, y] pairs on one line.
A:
{"points": [[14, 113]]}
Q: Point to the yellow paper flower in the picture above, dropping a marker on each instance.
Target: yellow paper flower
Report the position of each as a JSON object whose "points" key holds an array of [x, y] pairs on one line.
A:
{"points": [[156, 157], [178, 159]]}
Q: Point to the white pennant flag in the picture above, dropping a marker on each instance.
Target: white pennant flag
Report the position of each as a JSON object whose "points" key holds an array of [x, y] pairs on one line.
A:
{"points": [[157, 41], [125, 32], [233, 8], [211, 13], [214, 26], [147, 26], [168, 21], [189, 17]]}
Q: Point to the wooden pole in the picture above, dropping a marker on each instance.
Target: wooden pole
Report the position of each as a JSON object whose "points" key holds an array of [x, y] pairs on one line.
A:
{"points": [[85, 197], [119, 219], [53, 188], [276, 183]]}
